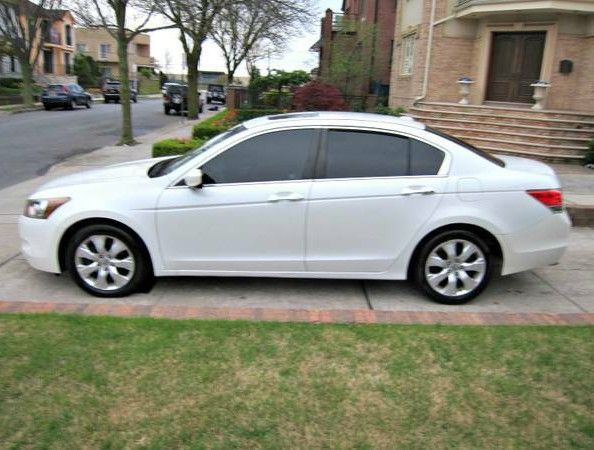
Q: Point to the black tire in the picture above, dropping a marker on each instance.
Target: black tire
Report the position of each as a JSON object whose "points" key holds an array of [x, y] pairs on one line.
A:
{"points": [[134, 99], [142, 278], [117, 100], [167, 109], [105, 100], [72, 104], [418, 266], [88, 104], [47, 107]]}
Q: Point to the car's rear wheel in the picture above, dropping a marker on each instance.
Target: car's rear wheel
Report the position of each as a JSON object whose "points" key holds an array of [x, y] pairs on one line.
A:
{"points": [[107, 261], [47, 107], [88, 104], [453, 267], [105, 100]]}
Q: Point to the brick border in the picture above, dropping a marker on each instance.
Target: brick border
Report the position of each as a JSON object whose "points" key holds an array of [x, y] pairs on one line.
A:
{"points": [[358, 316]]}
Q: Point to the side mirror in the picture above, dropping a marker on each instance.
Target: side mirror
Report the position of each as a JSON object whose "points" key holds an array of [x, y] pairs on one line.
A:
{"points": [[194, 178]]}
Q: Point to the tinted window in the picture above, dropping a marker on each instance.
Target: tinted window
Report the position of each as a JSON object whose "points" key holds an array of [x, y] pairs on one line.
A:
{"points": [[352, 154], [424, 159], [282, 155]]}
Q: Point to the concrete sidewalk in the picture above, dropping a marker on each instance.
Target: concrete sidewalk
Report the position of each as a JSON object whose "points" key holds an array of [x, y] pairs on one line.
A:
{"points": [[578, 192], [567, 288]]}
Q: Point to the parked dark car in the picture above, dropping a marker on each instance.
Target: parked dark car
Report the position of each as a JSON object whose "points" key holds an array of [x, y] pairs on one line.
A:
{"points": [[111, 92], [216, 93], [175, 98], [65, 96]]}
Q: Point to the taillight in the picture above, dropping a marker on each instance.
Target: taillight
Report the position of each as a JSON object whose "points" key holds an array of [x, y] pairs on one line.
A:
{"points": [[551, 198]]}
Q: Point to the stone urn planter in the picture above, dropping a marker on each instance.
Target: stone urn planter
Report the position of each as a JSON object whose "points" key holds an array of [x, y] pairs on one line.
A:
{"points": [[540, 93], [464, 84]]}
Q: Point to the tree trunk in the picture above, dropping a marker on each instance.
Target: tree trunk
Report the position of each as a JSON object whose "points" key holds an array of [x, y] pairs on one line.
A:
{"points": [[27, 92], [127, 136], [192, 60], [230, 75]]}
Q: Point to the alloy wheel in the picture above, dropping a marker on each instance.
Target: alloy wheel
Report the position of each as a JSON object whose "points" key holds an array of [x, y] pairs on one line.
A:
{"points": [[104, 262], [455, 267]]}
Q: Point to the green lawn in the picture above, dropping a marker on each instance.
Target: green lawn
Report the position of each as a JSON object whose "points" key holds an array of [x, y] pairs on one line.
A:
{"points": [[70, 382]]}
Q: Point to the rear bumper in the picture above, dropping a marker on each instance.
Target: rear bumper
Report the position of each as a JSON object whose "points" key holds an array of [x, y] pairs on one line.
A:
{"points": [[111, 96], [55, 101], [540, 245]]}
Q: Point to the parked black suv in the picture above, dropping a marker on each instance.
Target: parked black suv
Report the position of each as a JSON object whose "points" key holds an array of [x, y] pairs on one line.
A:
{"points": [[111, 91], [175, 97], [216, 93]]}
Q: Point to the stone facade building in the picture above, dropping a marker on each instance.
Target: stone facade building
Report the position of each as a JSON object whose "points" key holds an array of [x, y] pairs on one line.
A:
{"points": [[54, 63], [102, 47], [470, 67]]}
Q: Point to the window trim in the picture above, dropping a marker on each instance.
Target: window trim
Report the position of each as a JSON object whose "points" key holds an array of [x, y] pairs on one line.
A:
{"points": [[403, 63], [443, 171], [321, 167]]}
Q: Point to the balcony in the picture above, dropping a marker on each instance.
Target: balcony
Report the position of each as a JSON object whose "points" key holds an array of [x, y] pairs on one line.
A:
{"points": [[53, 36], [481, 8]]}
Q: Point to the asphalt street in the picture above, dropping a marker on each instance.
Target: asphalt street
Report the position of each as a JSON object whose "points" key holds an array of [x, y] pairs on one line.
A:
{"points": [[30, 143]]}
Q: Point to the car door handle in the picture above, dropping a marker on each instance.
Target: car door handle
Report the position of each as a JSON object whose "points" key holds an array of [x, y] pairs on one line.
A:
{"points": [[285, 197], [418, 190]]}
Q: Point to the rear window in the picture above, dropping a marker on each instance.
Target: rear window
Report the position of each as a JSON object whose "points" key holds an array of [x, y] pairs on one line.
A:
{"points": [[468, 146], [55, 87]]}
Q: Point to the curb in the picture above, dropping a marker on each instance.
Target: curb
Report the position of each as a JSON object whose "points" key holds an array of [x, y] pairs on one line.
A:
{"points": [[581, 215], [314, 316]]}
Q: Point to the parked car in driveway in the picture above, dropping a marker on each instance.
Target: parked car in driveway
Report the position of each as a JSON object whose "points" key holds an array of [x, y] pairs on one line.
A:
{"points": [[111, 92], [175, 98], [215, 94], [67, 95], [316, 195]]}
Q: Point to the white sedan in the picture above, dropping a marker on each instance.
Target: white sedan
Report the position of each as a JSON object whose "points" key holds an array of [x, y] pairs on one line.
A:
{"points": [[314, 194]]}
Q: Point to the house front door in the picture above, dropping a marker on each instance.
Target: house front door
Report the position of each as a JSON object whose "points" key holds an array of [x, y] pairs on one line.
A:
{"points": [[516, 59]]}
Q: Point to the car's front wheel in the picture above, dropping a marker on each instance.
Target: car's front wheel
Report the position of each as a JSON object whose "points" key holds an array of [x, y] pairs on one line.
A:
{"points": [[453, 267], [107, 261]]}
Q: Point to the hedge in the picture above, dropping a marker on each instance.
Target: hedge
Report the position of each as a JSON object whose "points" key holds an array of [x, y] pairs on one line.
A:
{"points": [[168, 147]]}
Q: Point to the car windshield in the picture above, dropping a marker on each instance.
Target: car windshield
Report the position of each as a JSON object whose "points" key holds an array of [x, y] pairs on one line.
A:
{"points": [[468, 146], [169, 165]]}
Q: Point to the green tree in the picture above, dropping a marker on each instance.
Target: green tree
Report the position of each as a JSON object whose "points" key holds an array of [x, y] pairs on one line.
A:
{"points": [[87, 71], [354, 59]]}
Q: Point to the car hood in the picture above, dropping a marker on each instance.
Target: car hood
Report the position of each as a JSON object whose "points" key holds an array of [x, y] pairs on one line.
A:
{"points": [[117, 172]]}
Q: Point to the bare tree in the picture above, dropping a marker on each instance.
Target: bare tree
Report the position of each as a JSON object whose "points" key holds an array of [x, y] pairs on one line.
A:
{"points": [[123, 20], [21, 35], [246, 29], [193, 19]]}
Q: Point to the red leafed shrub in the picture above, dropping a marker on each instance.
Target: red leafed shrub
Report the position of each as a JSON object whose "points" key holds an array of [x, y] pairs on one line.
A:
{"points": [[318, 96]]}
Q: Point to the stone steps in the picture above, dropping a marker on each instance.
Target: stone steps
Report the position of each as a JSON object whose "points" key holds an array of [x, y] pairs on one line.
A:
{"points": [[554, 136]]}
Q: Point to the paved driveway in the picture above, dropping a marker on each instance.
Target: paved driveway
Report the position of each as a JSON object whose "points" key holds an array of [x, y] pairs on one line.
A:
{"points": [[32, 142]]}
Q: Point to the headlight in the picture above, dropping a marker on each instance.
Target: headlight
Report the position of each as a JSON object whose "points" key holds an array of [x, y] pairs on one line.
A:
{"points": [[43, 208]]}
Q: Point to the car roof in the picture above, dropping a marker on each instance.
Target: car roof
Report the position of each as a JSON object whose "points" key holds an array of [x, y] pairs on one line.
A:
{"points": [[311, 117]]}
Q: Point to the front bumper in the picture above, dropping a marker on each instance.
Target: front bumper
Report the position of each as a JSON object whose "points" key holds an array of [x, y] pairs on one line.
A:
{"points": [[39, 243], [539, 245]]}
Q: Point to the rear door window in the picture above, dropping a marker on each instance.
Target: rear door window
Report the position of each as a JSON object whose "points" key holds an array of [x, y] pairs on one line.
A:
{"points": [[362, 154]]}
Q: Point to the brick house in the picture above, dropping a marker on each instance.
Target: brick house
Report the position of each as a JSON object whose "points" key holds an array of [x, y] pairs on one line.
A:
{"points": [[503, 47], [368, 27], [102, 47], [54, 63]]}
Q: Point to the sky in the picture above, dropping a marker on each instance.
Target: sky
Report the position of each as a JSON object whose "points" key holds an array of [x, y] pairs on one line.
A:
{"points": [[166, 46]]}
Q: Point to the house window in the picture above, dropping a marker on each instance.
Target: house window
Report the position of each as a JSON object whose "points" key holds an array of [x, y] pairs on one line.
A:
{"points": [[408, 49], [104, 50], [68, 32], [13, 64], [48, 61], [67, 63], [81, 48]]}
